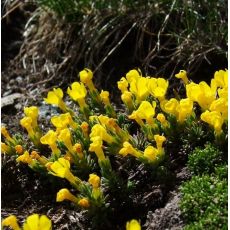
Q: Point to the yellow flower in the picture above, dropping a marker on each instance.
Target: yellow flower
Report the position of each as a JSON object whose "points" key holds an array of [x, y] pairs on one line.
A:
{"points": [[96, 146], [129, 149], [99, 130], [61, 168], [26, 123], [132, 75], [158, 87], [184, 109], [55, 98], [139, 88], [65, 136], [220, 105], [133, 225], [104, 95], [25, 158], [214, 119], [159, 140], [147, 111], [135, 116], [34, 222], [65, 194], [50, 139], [161, 117], [43, 160], [221, 78], [5, 148], [170, 106], [123, 85], [85, 128], [86, 76], [201, 93], [223, 93], [63, 120], [183, 76], [84, 203], [94, 180], [6, 134], [151, 153], [18, 149], [126, 97], [12, 222], [33, 113]]}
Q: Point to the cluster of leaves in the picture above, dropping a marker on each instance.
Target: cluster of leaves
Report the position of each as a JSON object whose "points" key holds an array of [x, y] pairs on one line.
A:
{"points": [[205, 197]]}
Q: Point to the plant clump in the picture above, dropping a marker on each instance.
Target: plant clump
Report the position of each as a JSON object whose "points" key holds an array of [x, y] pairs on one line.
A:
{"points": [[94, 146]]}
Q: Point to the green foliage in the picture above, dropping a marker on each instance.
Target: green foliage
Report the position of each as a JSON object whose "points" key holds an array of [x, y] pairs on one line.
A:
{"points": [[204, 203], [204, 161]]}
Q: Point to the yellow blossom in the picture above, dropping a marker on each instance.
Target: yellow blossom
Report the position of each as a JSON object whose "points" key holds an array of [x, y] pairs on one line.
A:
{"points": [[84, 203], [63, 120], [61, 168], [220, 105], [214, 119], [18, 149], [123, 85], [201, 93], [183, 76], [147, 111], [86, 76], [85, 128], [104, 95], [50, 138], [65, 194], [99, 130], [139, 88], [34, 222], [170, 106], [184, 109], [65, 136], [5, 148], [158, 87], [132, 75], [133, 225], [96, 146], [126, 97], [34, 155], [151, 153], [6, 134], [221, 78], [135, 116], [94, 180], [55, 98], [129, 149], [33, 113], [159, 140], [24, 158], [26, 123], [78, 92], [161, 117], [11, 221], [223, 93]]}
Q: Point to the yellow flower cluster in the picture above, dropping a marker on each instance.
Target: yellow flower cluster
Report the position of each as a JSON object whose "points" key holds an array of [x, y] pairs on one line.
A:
{"points": [[33, 222], [97, 128]]}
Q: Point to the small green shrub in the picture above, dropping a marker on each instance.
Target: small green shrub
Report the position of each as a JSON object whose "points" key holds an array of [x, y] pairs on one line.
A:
{"points": [[204, 203], [202, 161]]}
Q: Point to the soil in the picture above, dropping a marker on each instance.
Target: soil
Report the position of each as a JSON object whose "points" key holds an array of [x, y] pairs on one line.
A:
{"points": [[34, 60]]}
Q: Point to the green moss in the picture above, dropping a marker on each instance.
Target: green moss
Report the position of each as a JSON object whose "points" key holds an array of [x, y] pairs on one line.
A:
{"points": [[204, 202], [204, 161]]}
